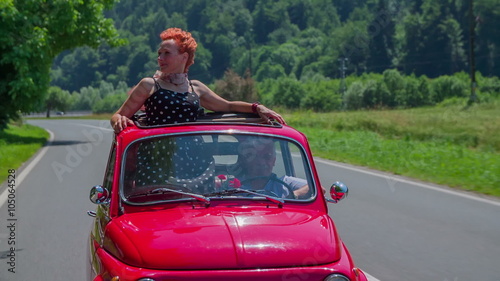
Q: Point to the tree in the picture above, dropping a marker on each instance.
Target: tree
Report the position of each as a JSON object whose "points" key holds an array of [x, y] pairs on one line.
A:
{"points": [[394, 81], [222, 46], [295, 38], [33, 33], [433, 39], [322, 96], [286, 55], [269, 71], [268, 16], [235, 87], [57, 99], [455, 45], [353, 98], [77, 69], [289, 92], [109, 104], [488, 37], [345, 7], [382, 30], [354, 44]]}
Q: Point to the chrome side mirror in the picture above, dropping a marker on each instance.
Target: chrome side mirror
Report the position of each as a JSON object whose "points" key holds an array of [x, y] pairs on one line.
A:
{"points": [[99, 195], [338, 191]]}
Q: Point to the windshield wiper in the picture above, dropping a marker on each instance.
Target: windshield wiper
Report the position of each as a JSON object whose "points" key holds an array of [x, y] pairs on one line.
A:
{"points": [[276, 200], [162, 190]]}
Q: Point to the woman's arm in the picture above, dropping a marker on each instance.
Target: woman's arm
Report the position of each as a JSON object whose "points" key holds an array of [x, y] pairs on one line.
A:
{"points": [[212, 101], [138, 95]]}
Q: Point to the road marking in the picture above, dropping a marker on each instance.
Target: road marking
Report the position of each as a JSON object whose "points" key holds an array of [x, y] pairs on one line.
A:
{"points": [[32, 164], [396, 178], [27, 170], [369, 277], [96, 127]]}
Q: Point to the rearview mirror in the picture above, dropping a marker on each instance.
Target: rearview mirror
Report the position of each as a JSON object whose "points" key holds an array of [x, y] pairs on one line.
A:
{"points": [[99, 195], [338, 191]]}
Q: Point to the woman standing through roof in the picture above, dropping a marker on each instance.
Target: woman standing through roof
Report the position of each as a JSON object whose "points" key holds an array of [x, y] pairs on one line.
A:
{"points": [[172, 97]]}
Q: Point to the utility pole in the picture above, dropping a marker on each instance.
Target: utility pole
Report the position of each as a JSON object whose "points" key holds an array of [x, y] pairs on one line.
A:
{"points": [[342, 69], [472, 60]]}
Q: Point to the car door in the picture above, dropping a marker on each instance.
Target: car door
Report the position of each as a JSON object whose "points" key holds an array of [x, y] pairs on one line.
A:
{"points": [[101, 215]]}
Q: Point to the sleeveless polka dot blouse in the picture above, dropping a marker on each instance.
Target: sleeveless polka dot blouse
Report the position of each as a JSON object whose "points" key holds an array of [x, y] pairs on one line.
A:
{"points": [[181, 160], [168, 107]]}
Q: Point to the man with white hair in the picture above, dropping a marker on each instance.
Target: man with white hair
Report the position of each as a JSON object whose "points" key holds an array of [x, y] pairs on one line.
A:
{"points": [[256, 158]]}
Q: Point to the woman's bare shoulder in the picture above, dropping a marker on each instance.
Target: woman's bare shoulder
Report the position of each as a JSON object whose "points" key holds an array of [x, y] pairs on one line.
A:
{"points": [[147, 81], [146, 84], [197, 83], [200, 87]]}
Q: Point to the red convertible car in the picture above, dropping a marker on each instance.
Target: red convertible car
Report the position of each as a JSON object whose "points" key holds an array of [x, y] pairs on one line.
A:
{"points": [[223, 198]]}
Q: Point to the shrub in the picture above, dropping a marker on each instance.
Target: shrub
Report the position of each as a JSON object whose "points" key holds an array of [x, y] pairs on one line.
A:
{"points": [[425, 90], [269, 71], [416, 92], [353, 98], [376, 95], [453, 101], [396, 87], [266, 90], [235, 87], [109, 104], [289, 93], [448, 86], [322, 97], [490, 86]]}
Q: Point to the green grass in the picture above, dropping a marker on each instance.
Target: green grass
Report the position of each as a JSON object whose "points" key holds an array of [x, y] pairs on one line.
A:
{"points": [[17, 144], [433, 161], [477, 127], [452, 146]]}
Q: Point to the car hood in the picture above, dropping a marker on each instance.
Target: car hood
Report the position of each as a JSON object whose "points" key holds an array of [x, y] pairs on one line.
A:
{"points": [[215, 238]]}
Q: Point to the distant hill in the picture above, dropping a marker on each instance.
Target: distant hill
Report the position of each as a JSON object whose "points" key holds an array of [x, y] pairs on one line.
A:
{"points": [[292, 38]]}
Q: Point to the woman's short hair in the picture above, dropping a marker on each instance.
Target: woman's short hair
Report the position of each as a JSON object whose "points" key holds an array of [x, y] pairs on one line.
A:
{"points": [[184, 41]]}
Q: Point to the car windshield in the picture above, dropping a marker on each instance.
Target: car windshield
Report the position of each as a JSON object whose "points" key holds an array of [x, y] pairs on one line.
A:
{"points": [[216, 167]]}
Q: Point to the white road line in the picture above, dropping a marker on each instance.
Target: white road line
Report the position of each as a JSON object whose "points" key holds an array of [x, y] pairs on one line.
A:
{"points": [[403, 180], [96, 127], [370, 278], [20, 177]]}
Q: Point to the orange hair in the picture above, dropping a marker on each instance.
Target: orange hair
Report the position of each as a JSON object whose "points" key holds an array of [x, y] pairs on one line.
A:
{"points": [[184, 41]]}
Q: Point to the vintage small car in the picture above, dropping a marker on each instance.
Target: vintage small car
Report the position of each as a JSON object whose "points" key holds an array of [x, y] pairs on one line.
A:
{"points": [[224, 198]]}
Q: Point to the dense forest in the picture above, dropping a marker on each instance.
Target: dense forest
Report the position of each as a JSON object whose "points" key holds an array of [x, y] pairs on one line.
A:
{"points": [[295, 40]]}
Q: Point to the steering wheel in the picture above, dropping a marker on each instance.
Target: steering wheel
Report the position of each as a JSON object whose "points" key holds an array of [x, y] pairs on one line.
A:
{"points": [[276, 179]]}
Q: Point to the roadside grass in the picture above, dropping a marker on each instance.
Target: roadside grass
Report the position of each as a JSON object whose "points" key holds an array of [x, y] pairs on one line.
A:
{"points": [[477, 127], [432, 161], [17, 144], [446, 145]]}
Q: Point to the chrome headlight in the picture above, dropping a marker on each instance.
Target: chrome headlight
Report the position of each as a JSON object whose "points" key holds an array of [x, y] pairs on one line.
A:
{"points": [[336, 277]]}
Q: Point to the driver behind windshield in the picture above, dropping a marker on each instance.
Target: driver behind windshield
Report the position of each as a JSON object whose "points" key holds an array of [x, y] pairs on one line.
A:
{"points": [[256, 160]]}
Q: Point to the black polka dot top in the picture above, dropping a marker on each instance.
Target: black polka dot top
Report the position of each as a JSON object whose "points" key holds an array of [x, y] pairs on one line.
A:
{"points": [[168, 107]]}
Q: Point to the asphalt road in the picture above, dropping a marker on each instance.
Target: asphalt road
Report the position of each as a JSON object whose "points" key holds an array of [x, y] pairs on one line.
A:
{"points": [[395, 229], [51, 203]]}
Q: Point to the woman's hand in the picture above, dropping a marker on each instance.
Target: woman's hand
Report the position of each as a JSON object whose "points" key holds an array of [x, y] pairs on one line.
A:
{"points": [[120, 122], [267, 114]]}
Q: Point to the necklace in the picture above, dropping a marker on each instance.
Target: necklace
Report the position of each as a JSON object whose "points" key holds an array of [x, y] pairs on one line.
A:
{"points": [[176, 79]]}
